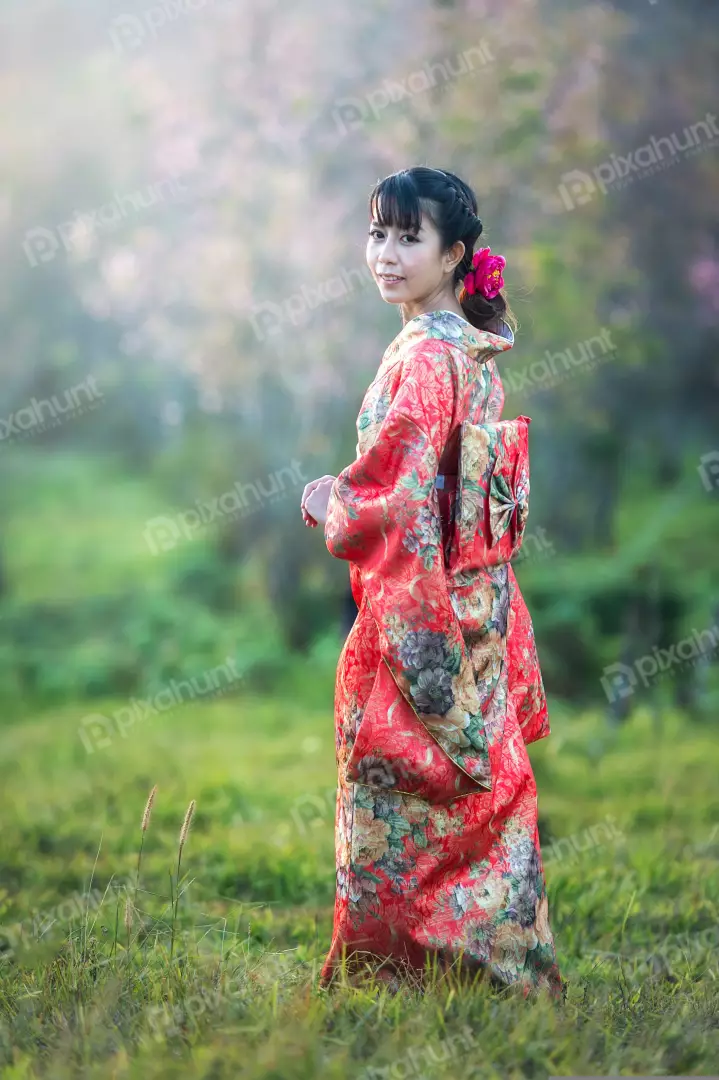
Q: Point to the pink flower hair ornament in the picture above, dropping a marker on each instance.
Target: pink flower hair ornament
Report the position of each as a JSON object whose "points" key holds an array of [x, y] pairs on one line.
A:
{"points": [[485, 276]]}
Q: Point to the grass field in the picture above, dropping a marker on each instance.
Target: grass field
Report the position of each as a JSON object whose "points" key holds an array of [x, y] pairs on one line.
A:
{"points": [[225, 986]]}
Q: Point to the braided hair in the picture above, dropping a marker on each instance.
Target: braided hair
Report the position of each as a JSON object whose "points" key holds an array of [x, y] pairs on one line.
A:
{"points": [[451, 204]]}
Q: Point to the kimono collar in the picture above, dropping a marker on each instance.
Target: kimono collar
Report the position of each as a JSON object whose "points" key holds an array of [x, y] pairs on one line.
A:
{"points": [[481, 345]]}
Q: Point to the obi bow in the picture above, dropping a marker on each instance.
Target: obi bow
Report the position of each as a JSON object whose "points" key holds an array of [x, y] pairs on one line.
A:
{"points": [[492, 495], [508, 505]]}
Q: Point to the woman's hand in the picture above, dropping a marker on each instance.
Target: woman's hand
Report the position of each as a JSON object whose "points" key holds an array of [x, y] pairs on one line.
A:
{"points": [[314, 500]]}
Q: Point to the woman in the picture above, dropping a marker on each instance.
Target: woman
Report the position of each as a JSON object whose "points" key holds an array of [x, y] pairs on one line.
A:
{"points": [[438, 686]]}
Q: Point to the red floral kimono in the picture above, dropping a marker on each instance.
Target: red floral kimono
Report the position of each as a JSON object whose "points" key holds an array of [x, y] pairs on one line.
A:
{"points": [[438, 685]]}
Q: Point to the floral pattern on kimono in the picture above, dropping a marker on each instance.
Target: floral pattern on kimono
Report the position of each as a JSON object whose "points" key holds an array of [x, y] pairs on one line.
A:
{"points": [[438, 686]]}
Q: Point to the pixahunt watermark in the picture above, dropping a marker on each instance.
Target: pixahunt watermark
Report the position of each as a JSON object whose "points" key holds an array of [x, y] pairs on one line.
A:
{"points": [[674, 949], [308, 812], [535, 546], [555, 368], [621, 680], [592, 838], [164, 533], [351, 113], [35, 927], [703, 847], [42, 414], [578, 187], [269, 316], [78, 233], [420, 1061], [709, 470], [166, 1021], [97, 731], [130, 32]]}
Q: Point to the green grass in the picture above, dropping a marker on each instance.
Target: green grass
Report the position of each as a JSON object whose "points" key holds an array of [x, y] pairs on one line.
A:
{"points": [[634, 914]]}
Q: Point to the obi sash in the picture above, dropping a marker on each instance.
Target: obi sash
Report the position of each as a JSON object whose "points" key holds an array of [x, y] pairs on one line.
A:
{"points": [[484, 509]]}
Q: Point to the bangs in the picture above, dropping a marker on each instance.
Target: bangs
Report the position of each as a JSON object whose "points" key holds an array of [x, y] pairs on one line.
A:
{"points": [[395, 201]]}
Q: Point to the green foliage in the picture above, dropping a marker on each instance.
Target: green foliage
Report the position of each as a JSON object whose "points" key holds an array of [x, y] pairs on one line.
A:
{"points": [[90, 611]]}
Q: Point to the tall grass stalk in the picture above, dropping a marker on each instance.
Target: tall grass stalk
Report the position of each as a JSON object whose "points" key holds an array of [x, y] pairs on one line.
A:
{"points": [[128, 924], [143, 829], [146, 814], [183, 837]]}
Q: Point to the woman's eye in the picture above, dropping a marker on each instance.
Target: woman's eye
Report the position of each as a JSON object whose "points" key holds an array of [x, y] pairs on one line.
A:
{"points": [[377, 234]]}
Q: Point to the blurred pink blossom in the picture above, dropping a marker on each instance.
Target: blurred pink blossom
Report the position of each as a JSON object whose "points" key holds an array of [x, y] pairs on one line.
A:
{"points": [[704, 278]]}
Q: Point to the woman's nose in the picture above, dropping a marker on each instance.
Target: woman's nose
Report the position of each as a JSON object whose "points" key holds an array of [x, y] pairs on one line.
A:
{"points": [[387, 254]]}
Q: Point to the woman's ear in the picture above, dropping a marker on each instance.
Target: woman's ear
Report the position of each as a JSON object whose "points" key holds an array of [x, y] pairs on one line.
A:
{"points": [[454, 255]]}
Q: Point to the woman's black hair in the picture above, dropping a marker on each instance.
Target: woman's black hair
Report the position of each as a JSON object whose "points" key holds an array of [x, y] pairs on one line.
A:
{"points": [[451, 204]]}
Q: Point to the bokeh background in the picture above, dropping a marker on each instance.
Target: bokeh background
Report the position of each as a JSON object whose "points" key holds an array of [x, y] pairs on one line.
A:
{"points": [[189, 328]]}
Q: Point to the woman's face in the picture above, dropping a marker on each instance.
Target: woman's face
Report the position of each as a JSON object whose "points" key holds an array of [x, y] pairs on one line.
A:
{"points": [[410, 267]]}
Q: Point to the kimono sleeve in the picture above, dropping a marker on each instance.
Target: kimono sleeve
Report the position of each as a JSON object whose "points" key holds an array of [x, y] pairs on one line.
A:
{"points": [[383, 516]]}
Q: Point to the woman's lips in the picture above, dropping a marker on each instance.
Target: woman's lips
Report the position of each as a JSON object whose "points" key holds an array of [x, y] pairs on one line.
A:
{"points": [[390, 280]]}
